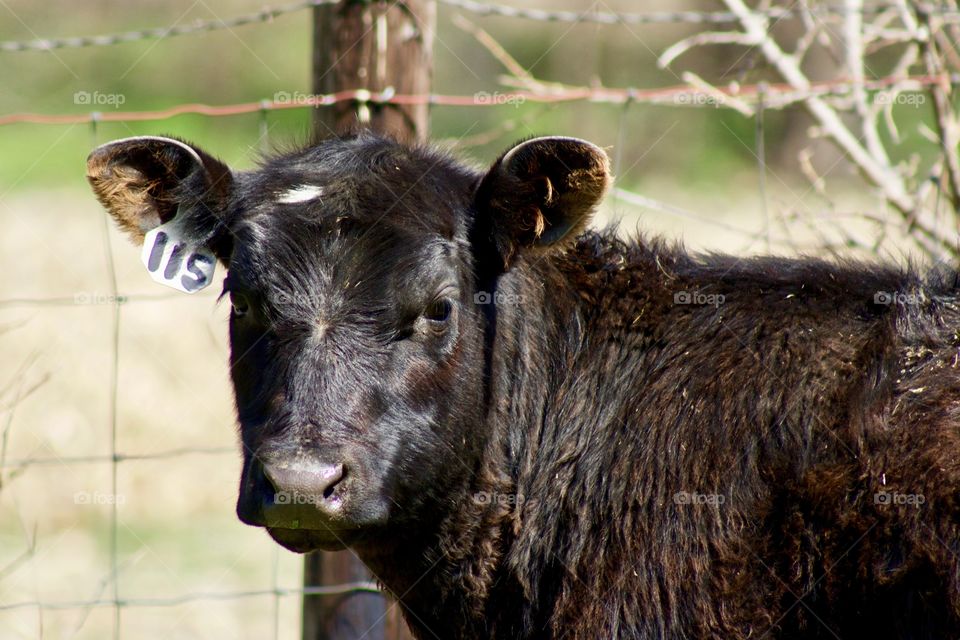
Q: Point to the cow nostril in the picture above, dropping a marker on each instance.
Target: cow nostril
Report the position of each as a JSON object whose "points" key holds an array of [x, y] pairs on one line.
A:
{"points": [[335, 482], [331, 480], [334, 479]]}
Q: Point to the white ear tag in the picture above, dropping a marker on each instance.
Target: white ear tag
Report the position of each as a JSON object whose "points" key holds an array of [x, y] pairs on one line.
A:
{"points": [[173, 261]]}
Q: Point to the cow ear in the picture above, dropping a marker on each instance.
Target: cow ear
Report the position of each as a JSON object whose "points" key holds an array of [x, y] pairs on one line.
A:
{"points": [[539, 194], [149, 181]]}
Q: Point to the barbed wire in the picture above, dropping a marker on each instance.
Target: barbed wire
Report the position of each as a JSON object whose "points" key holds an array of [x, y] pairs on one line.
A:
{"points": [[268, 14], [172, 601], [91, 299], [656, 17], [21, 463], [775, 95], [601, 17]]}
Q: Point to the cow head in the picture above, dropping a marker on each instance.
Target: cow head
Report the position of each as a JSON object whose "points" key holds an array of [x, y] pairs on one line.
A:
{"points": [[356, 347]]}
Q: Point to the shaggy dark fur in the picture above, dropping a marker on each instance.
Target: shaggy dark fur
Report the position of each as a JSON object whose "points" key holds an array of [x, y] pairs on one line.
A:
{"points": [[632, 443]]}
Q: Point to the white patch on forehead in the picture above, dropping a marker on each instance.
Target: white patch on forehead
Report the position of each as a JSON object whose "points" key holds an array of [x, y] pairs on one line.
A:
{"points": [[300, 193], [320, 328]]}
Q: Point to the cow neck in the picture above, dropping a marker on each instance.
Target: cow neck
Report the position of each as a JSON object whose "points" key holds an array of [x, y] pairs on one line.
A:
{"points": [[449, 580]]}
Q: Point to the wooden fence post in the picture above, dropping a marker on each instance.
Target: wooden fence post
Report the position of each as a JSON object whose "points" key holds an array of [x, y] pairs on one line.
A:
{"points": [[380, 47], [377, 46]]}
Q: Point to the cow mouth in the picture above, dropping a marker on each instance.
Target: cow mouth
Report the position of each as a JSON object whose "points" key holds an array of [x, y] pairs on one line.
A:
{"points": [[307, 540]]}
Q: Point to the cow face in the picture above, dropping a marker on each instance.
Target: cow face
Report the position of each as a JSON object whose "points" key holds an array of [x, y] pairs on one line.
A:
{"points": [[357, 352]]}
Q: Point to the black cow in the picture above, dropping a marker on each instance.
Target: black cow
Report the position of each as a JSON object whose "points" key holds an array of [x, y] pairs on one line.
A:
{"points": [[531, 430]]}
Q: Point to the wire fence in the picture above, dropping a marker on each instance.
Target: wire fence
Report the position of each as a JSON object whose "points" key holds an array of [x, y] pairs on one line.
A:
{"points": [[756, 97], [268, 14], [773, 95], [333, 590]]}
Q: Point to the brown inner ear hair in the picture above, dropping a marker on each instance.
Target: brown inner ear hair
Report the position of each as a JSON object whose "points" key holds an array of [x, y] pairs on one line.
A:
{"points": [[145, 181], [529, 187], [136, 202], [564, 181]]}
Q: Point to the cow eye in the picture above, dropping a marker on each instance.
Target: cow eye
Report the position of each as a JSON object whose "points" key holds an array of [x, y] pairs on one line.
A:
{"points": [[439, 310], [240, 305]]}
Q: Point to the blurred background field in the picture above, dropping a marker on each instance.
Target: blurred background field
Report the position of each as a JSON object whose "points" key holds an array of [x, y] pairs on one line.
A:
{"points": [[177, 534]]}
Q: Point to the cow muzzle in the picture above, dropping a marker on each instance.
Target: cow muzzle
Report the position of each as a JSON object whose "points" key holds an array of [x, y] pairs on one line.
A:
{"points": [[295, 494]]}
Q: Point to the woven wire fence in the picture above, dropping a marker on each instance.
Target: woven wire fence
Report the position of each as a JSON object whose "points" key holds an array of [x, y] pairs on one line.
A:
{"points": [[751, 99]]}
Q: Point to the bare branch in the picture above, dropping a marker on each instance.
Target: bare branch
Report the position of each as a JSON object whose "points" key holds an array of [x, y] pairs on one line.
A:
{"points": [[946, 119], [712, 37], [817, 183], [811, 31], [886, 98], [880, 174], [720, 97], [525, 78], [853, 44]]}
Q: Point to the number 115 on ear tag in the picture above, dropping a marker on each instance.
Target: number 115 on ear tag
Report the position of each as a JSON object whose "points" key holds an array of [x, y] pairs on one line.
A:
{"points": [[174, 262]]}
